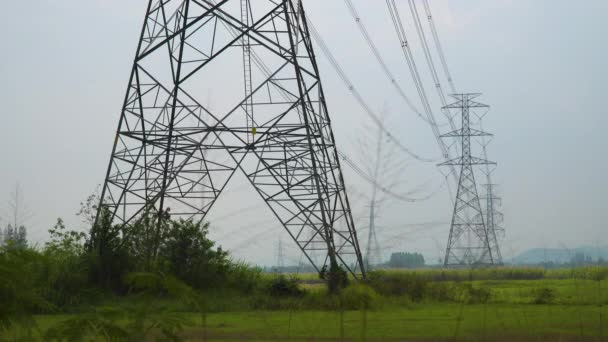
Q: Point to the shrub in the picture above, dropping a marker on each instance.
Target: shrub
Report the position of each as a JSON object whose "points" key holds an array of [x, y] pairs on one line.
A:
{"points": [[543, 295], [191, 256], [443, 291], [475, 295], [242, 277], [107, 254], [63, 273], [358, 296], [336, 278], [398, 284], [64, 279], [282, 286], [19, 288]]}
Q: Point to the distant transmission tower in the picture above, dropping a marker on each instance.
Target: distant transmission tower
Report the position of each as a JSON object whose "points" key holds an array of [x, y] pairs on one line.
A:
{"points": [[493, 216], [372, 253], [280, 257], [277, 131], [469, 239], [493, 221]]}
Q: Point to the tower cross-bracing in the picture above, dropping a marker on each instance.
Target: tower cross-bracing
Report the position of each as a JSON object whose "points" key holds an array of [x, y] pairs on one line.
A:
{"points": [[277, 132], [469, 241]]}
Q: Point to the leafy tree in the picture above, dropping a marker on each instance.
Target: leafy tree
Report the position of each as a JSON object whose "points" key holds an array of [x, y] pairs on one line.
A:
{"points": [[406, 260], [88, 208], [282, 286], [19, 287], [109, 259], [336, 278], [65, 270], [144, 238], [16, 236], [21, 237], [65, 241], [190, 255]]}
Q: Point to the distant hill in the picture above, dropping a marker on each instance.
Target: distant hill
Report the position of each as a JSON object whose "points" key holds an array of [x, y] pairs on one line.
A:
{"points": [[558, 255]]}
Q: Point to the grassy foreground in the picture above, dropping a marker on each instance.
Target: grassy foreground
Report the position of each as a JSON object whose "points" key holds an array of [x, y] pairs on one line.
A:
{"points": [[159, 279], [420, 322], [428, 305]]}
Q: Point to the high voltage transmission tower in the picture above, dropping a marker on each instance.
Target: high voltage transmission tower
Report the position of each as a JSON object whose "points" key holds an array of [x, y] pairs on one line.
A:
{"points": [[469, 242], [372, 254], [398, 24], [269, 121], [280, 257], [493, 216], [494, 219]]}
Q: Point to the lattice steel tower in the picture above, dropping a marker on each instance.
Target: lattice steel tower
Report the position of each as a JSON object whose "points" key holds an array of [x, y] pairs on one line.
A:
{"points": [[373, 250], [494, 219], [269, 120], [469, 240], [493, 216]]}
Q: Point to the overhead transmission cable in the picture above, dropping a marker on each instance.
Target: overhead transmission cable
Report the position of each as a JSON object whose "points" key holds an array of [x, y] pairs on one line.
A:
{"points": [[383, 189], [415, 74], [438, 46], [446, 70], [431, 64], [258, 61], [367, 109], [433, 70], [392, 79], [262, 66], [407, 53]]}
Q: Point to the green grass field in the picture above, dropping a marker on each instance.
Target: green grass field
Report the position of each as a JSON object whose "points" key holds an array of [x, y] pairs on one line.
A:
{"points": [[491, 322], [430, 321], [554, 307]]}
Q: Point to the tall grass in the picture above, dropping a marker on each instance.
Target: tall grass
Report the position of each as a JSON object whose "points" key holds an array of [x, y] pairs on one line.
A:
{"points": [[493, 273]]}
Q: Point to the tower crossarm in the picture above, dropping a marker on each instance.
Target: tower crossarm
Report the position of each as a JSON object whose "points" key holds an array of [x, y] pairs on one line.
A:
{"points": [[459, 161], [471, 133]]}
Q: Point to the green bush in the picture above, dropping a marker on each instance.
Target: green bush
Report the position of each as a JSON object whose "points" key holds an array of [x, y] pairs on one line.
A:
{"points": [[65, 279], [282, 286], [64, 270], [543, 295], [190, 255], [20, 288], [336, 278], [359, 296], [398, 284], [474, 295], [443, 292], [242, 277], [320, 300]]}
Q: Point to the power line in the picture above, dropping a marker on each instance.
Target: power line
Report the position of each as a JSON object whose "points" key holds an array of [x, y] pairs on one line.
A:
{"points": [[431, 64], [438, 46], [370, 43], [367, 109], [490, 198], [398, 26], [407, 53], [468, 241], [371, 180], [257, 60]]}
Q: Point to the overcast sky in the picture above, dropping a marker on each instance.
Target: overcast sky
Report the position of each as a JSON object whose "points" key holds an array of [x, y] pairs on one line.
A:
{"points": [[541, 65]]}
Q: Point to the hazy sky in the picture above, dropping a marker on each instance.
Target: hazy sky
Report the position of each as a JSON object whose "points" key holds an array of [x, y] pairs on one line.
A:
{"points": [[541, 65]]}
